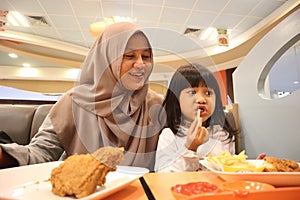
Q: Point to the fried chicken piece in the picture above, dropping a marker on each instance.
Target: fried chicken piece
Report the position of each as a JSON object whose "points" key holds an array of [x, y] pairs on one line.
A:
{"points": [[280, 165], [79, 175], [109, 156]]}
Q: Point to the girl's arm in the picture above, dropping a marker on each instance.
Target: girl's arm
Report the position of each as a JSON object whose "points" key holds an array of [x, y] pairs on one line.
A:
{"points": [[173, 156]]}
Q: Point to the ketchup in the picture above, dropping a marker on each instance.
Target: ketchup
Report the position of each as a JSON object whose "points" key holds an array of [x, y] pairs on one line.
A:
{"points": [[194, 188]]}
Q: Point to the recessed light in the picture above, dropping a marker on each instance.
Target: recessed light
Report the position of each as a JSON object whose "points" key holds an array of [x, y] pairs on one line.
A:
{"points": [[296, 82], [26, 65], [73, 73], [206, 33], [17, 19], [28, 72], [12, 55]]}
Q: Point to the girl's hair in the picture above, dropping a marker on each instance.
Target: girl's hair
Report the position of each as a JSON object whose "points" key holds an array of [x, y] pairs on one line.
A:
{"points": [[189, 76]]}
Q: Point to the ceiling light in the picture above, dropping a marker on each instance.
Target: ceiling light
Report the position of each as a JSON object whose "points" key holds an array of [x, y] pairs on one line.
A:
{"points": [[28, 72], [12, 55], [206, 33], [11, 20], [26, 65], [296, 82], [17, 19], [73, 73], [98, 27], [213, 35]]}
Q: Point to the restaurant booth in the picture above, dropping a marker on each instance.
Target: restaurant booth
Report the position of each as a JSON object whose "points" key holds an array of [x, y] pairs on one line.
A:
{"points": [[265, 125]]}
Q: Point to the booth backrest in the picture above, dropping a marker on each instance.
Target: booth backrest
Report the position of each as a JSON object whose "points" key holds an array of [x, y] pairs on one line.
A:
{"points": [[232, 116], [38, 118], [21, 122]]}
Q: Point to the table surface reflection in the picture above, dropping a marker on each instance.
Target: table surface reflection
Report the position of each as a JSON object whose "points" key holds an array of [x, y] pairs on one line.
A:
{"points": [[160, 184]]}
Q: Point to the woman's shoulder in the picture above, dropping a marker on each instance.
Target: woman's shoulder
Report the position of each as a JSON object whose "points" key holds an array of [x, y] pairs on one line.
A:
{"points": [[65, 98]]}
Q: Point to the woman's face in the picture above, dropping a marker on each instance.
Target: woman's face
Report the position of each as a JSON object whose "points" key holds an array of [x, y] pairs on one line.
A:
{"points": [[192, 99], [137, 63]]}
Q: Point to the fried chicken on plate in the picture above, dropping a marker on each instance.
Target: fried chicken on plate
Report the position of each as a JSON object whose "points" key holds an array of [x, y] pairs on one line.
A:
{"points": [[280, 165], [79, 175]]}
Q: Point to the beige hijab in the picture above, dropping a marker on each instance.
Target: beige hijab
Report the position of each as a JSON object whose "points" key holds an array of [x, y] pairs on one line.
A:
{"points": [[99, 111]]}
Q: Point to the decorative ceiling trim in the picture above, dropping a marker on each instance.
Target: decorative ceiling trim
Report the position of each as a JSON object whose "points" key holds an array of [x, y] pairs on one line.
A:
{"points": [[239, 51], [241, 45]]}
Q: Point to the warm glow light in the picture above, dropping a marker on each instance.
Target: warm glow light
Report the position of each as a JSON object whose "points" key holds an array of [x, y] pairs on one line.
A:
{"points": [[97, 27]]}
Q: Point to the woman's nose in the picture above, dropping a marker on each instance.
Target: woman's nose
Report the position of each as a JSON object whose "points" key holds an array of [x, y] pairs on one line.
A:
{"points": [[139, 61]]}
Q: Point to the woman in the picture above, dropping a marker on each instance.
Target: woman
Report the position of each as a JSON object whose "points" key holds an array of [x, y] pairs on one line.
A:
{"points": [[110, 106]]}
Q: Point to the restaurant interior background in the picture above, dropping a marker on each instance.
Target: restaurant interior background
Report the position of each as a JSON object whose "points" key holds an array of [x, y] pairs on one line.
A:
{"points": [[51, 49]]}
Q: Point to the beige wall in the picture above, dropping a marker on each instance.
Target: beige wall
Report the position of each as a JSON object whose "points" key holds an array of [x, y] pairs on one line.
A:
{"points": [[62, 86], [39, 86], [159, 86]]}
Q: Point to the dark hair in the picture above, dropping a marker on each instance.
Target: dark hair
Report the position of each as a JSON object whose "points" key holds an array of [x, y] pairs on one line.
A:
{"points": [[193, 75]]}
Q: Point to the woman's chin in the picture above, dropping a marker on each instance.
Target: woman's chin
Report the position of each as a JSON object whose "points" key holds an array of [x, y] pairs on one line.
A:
{"points": [[135, 86]]}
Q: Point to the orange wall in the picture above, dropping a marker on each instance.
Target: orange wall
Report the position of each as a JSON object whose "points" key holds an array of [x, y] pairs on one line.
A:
{"points": [[221, 78]]}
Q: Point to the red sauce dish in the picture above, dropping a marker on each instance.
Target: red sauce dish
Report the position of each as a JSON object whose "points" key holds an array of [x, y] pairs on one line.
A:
{"points": [[244, 187], [183, 191]]}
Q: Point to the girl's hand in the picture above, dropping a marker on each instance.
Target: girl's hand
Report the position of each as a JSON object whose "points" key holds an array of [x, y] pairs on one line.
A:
{"points": [[197, 134], [261, 156]]}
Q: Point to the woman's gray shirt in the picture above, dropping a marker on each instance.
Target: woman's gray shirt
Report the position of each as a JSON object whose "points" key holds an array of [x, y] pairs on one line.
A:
{"points": [[43, 147]]}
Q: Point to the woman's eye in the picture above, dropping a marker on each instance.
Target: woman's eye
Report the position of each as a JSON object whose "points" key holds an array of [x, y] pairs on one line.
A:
{"points": [[128, 56], [146, 56]]}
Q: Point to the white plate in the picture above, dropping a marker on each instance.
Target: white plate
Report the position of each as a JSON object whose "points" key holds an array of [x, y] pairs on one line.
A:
{"points": [[273, 178], [32, 182]]}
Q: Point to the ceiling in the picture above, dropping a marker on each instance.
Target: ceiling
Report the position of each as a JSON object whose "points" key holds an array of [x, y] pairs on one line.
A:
{"points": [[63, 39]]}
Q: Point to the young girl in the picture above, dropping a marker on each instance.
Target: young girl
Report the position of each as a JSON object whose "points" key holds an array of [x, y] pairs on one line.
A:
{"points": [[196, 123]]}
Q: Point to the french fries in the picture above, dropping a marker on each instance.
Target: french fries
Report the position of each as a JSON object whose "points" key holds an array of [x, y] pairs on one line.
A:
{"points": [[225, 158], [198, 114], [233, 163]]}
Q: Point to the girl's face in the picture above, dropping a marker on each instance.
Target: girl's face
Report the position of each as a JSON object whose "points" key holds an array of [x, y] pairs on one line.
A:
{"points": [[192, 99], [137, 63]]}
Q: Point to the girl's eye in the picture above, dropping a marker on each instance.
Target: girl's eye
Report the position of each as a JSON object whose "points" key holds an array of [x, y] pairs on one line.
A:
{"points": [[209, 92], [192, 92]]}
